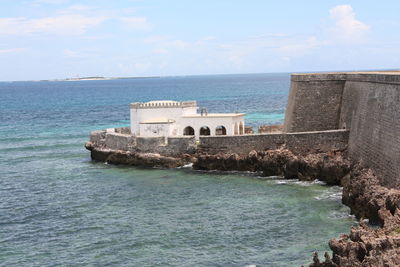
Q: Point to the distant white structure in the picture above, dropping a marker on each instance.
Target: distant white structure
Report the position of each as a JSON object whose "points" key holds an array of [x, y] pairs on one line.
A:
{"points": [[171, 118]]}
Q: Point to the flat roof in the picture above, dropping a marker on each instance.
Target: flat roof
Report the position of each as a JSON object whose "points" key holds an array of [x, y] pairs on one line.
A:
{"points": [[214, 115]]}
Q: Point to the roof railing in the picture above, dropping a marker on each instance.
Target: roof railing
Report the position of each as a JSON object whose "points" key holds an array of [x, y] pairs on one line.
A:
{"points": [[161, 104]]}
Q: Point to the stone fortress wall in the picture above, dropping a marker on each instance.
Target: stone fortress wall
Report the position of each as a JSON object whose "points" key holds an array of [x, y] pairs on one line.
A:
{"points": [[326, 111], [314, 102], [365, 103], [121, 139], [301, 143]]}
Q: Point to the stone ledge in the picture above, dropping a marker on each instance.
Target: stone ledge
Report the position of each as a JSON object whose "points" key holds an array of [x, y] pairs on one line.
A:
{"points": [[374, 77]]}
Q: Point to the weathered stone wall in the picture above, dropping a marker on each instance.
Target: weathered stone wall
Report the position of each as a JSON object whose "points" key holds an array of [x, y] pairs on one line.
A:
{"points": [[98, 137], [375, 127], [314, 102], [123, 130], [322, 141], [179, 145], [149, 144], [304, 142], [270, 128], [366, 103], [171, 146], [119, 141]]}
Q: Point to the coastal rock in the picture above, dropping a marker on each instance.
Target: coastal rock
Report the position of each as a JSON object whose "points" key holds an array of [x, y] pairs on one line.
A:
{"points": [[96, 153], [368, 245], [274, 162], [334, 168], [365, 195], [328, 167], [136, 159]]}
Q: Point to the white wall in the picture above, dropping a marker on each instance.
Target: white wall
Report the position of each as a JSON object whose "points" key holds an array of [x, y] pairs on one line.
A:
{"points": [[211, 122], [145, 114], [153, 130], [177, 114]]}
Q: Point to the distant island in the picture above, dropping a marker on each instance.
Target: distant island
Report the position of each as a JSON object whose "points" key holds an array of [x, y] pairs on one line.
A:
{"points": [[96, 78]]}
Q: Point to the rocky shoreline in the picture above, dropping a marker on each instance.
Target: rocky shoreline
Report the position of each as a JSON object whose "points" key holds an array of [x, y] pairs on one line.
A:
{"points": [[104, 154], [375, 242], [327, 167]]}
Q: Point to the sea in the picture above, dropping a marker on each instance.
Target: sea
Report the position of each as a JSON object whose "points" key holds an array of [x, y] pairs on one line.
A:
{"points": [[59, 208]]}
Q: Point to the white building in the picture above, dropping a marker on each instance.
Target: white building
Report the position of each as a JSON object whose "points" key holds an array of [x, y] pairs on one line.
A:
{"points": [[171, 118]]}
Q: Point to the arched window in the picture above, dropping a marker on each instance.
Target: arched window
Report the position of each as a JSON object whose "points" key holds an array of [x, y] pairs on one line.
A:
{"points": [[188, 131], [241, 128], [204, 130], [220, 130]]}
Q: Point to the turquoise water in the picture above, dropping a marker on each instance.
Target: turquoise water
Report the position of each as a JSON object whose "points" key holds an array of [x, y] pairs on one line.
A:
{"points": [[59, 208]]}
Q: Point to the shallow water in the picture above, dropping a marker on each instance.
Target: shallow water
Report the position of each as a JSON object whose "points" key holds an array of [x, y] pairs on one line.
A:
{"points": [[59, 208]]}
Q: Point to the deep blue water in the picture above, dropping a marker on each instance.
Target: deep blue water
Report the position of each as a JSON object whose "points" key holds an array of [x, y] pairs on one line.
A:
{"points": [[59, 208]]}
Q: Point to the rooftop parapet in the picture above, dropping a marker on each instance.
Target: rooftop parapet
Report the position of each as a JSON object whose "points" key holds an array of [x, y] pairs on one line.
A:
{"points": [[163, 104], [387, 77]]}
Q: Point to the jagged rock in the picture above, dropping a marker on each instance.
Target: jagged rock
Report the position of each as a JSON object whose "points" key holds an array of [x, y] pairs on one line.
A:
{"points": [[333, 169], [330, 168], [366, 245], [96, 153], [327, 263], [291, 169], [365, 196], [133, 158]]}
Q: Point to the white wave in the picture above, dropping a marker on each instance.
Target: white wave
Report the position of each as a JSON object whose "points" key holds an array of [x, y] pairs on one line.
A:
{"points": [[282, 182], [318, 182], [298, 182], [341, 214], [332, 194], [187, 166]]}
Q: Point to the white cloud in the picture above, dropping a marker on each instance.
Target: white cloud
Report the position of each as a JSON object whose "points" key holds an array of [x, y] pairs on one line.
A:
{"points": [[347, 27], [12, 50], [51, 1], [138, 68], [160, 51], [205, 40], [179, 44], [300, 47], [74, 9], [155, 39], [136, 23], [59, 25], [79, 54]]}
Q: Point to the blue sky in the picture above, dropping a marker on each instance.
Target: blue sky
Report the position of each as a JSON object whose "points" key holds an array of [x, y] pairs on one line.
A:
{"points": [[48, 39]]}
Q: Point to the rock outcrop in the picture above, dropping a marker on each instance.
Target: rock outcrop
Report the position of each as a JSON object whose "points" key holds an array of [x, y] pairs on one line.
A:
{"points": [[328, 167], [136, 159], [373, 244]]}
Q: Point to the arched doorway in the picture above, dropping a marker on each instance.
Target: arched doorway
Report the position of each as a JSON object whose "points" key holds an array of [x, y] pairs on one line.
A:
{"points": [[188, 131], [220, 130], [204, 130], [236, 129], [241, 128]]}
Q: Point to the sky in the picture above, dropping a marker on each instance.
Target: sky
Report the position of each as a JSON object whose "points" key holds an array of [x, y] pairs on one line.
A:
{"points": [[55, 39]]}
